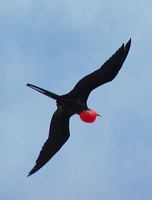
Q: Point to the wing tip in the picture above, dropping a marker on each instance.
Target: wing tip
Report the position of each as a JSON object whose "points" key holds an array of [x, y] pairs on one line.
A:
{"points": [[126, 46], [124, 49], [28, 84], [32, 171], [29, 174]]}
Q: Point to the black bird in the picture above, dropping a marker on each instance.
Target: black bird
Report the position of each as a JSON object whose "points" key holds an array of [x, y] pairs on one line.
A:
{"points": [[75, 102]]}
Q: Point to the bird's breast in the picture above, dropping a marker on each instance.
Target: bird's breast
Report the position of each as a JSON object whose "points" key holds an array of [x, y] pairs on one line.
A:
{"points": [[74, 105]]}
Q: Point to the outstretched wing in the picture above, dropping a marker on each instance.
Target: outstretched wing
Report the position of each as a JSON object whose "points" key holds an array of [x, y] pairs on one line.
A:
{"points": [[58, 135], [107, 72]]}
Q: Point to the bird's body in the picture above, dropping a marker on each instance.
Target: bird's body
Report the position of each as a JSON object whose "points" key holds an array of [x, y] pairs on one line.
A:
{"points": [[75, 102]]}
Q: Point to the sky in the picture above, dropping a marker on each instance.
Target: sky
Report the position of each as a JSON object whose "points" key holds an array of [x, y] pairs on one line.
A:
{"points": [[53, 44]]}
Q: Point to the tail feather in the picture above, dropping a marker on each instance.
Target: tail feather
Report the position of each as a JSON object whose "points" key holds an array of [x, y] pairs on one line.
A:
{"points": [[43, 91]]}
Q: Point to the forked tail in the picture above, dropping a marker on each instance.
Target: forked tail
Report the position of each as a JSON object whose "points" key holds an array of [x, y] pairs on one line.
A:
{"points": [[43, 91]]}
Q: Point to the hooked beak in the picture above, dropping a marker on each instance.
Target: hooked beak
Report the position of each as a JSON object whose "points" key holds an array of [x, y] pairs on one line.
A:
{"points": [[98, 115]]}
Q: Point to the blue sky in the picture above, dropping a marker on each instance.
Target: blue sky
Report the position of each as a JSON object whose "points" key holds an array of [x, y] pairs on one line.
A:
{"points": [[53, 44]]}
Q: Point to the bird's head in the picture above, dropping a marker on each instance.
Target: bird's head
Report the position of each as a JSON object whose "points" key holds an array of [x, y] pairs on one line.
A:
{"points": [[88, 116]]}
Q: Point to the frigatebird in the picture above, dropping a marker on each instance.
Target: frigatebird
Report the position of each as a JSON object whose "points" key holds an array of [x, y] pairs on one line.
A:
{"points": [[75, 102]]}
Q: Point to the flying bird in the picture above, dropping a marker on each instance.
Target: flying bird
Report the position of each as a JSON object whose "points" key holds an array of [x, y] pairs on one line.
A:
{"points": [[75, 102]]}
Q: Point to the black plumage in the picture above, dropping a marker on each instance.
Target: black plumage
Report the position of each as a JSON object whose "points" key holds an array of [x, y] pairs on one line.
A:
{"points": [[75, 102]]}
